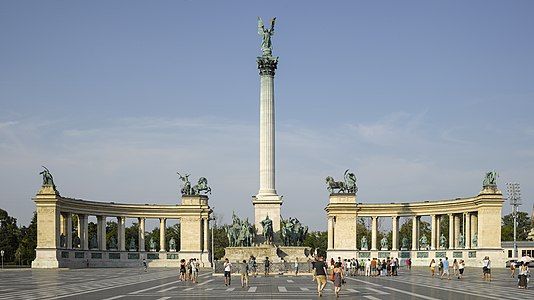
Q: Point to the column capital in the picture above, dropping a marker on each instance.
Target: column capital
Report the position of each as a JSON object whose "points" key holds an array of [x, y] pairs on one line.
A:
{"points": [[267, 65]]}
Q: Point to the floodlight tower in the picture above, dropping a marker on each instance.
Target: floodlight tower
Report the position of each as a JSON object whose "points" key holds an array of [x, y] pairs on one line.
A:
{"points": [[514, 195]]}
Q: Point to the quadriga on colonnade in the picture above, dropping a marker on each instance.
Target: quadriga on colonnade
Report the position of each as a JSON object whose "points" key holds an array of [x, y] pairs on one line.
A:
{"points": [[59, 247], [474, 227]]}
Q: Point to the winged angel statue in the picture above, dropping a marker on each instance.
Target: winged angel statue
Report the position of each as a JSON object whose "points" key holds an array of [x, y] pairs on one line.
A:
{"points": [[266, 45]]}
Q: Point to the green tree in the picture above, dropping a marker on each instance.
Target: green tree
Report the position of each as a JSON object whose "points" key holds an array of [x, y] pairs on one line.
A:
{"points": [[9, 236], [317, 241], [25, 253], [524, 224], [112, 229], [92, 232], [220, 241]]}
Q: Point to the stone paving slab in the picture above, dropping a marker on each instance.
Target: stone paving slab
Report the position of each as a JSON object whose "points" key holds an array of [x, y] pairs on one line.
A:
{"points": [[163, 284]]}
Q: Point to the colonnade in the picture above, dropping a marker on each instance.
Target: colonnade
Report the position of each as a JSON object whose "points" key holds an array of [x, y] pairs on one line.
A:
{"points": [[473, 226], [55, 233]]}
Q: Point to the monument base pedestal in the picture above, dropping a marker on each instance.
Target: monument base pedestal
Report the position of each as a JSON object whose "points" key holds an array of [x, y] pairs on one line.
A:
{"points": [[267, 206], [274, 253]]}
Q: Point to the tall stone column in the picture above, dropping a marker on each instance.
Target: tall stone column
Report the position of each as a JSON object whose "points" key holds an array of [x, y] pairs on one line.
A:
{"points": [[69, 230], [467, 230], [433, 232], [330, 233], [374, 232], [62, 226], [451, 231], [438, 230], [394, 233], [415, 226], [141, 234], [206, 234], [267, 202], [101, 232], [457, 231], [474, 228], [162, 234], [121, 222], [83, 231]]}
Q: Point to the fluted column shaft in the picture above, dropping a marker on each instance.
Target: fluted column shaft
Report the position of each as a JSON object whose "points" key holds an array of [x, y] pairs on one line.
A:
{"points": [[121, 232], [467, 230], [101, 232], [141, 234], [433, 231], [206, 234], [457, 231], [395, 231], [374, 232], [451, 231], [267, 136], [69, 230], [162, 234], [414, 232]]}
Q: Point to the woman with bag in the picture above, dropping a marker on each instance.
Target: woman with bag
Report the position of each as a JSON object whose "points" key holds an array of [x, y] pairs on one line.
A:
{"points": [[337, 278], [523, 275]]}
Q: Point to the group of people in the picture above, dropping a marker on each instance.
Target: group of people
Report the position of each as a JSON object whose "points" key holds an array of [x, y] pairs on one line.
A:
{"points": [[523, 273], [189, 270], [443, 267], [246, 268]]}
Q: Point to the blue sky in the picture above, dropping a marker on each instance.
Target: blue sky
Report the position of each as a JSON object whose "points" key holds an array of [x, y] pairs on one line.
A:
{"points": [[418, 98]]}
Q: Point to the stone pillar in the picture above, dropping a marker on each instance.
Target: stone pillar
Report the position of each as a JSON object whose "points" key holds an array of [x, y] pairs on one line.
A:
{"points": [[141, 239], [206, 235], [48, 228], [101, 232], [451, 231], [374, 233], [415, 226], [438, 230], [433, 232], [394, 233], [330, 233], [62, 226], [456, 231], [162, 234], [474, 228], [69, 230], [467, 230], [83, 231], [121, 223]]}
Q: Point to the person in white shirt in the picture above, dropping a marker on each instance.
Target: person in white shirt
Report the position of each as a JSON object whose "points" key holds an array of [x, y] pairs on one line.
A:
{"points": [[368, 268], [486, 268], [227, 272]]}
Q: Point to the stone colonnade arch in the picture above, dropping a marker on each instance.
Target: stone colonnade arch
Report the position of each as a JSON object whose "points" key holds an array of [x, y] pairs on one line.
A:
{"points": [[475, 220], [55, 248]]}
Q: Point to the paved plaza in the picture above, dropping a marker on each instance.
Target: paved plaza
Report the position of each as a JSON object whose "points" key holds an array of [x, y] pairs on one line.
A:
{"points": [[162, 284]]}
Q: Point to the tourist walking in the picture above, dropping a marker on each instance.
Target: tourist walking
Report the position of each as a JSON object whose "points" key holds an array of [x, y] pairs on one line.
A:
{"points": [[512, 268], [409, 263], [337, 273], [486, 269], [320, 275], [440, 267], [461, 268], [227, 272], [243, 270], [182, 269], [523, 275], [314, 261], [266, 265], [445, 264], [432, 267], [455, 267], [145, 265], [252, 266], [368, 267], [296, 266], [194, 270]]}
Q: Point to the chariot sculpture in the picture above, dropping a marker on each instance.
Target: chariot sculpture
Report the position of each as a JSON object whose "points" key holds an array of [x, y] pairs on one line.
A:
{"points": [[348, 185]]}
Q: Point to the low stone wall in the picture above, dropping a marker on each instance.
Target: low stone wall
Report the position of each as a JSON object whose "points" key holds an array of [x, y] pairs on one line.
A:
{"points": [[274, 268]]}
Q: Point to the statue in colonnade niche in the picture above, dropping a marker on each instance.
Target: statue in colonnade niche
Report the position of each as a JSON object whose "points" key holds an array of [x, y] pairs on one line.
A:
{"points": [[112, 243], [404, 243], [93, 243], [442, 242], [132, 245], [172, 245], [423, 242], [384, 243], [474, 243], [76, 241], [152, 244], [363, 241], [461, 241], [62, 241]]}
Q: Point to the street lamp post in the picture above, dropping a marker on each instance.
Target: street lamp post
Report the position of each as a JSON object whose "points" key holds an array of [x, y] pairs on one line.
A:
{"points": [[514, 195]]}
